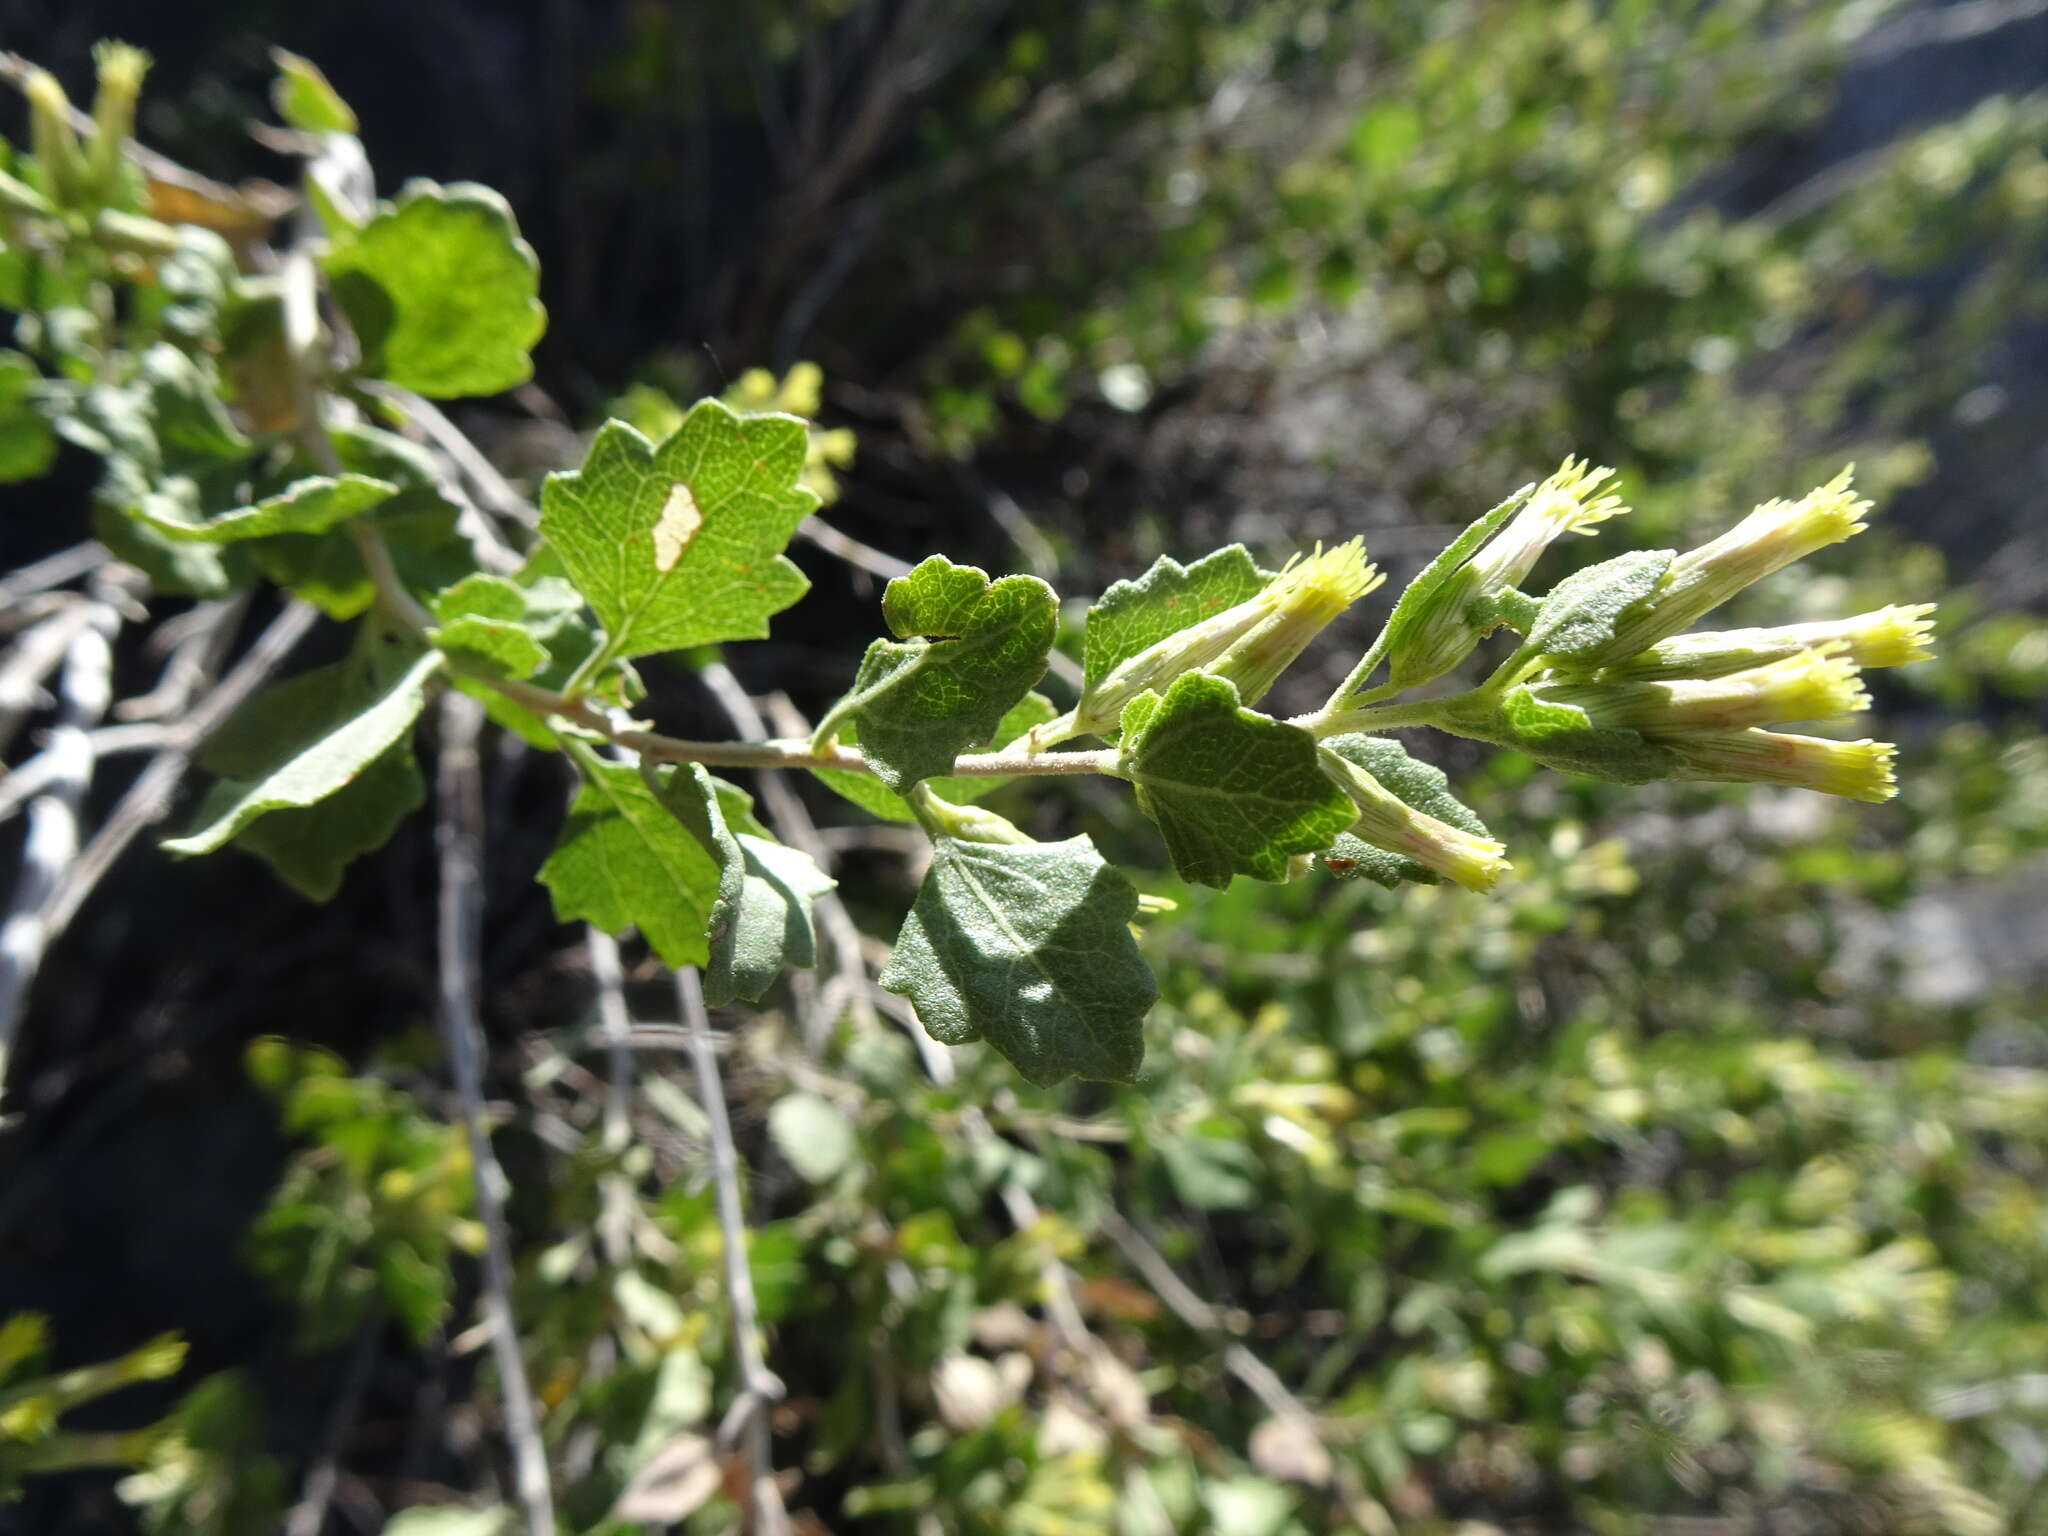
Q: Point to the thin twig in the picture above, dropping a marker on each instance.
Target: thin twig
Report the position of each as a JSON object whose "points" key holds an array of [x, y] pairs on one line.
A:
{"points": [[1365, 1512], [615, 1029], [31, 660], [149, 797], [52, 843], [483, 476], [306, 1517], [459, 835], [787, 754], [856, 554], [23, 784], [759, 1386], [52, 571], [198, 641]]}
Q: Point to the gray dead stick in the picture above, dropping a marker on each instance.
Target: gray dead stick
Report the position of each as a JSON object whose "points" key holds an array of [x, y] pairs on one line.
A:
{"points": [[149, 797], [459, 837], [52, 843]]}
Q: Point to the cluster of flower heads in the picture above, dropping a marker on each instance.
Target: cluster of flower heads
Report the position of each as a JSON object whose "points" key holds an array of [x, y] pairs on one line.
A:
{"points": [[1647, 698], [1710, 698]]}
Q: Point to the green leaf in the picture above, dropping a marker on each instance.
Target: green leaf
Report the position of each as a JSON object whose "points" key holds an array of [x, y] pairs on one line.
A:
{"points": [[623, 860], [1577, 617], [681, 544], [324, 756], [312, 505], [761, 921], [1414, 783], [1562, 737], [1028, 946], [28, 446], [971, 649], [486, 627], [1133, 616], [1420, 597], [1234, 792], [814, 1134], [441, 291], [304, 99], [875, 797], [452, 1520], [186, 410]]}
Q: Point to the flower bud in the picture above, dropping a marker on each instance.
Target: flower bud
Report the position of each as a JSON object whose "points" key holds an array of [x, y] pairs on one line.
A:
{"points": [[1387, 821], [1258, 637], [1884, 637], [1307, 595], [52, 137], [1812, 685], [1565, 503], [121, 68], [1859, 770], [1769, 539]]}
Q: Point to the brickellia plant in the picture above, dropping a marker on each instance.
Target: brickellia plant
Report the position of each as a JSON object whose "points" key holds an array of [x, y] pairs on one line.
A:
{"points": [[263, 412], [245, 412]]}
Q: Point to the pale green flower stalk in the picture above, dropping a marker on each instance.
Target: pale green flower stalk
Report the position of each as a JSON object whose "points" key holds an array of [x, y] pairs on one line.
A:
{"points": [[1885, 637], [1255, 641], [1769, 539], [1570, 501], [1386, 821], [1811, 685], [1859, 770]]}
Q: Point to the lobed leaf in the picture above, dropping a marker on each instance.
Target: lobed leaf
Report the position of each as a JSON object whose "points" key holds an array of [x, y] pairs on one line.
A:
{"points": [[441, 292], [1234, 792], [623, 860], [1028, 946], [973, 648], [1133, 616], [488, 626], [681, 544]]}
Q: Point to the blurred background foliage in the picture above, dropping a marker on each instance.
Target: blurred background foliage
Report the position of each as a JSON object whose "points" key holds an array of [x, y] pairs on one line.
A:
{"points": [[1693, 1182]]}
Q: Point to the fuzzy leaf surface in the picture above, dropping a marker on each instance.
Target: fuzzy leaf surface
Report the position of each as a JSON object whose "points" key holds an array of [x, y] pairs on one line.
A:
{"points": [[876, 798], [1028, 946], [1234, 792], [1133, 616], [971, 649], [326, 735], [312, 505], [1562, 737], [623, 860], [1412, 782], [442, 292], [1577, 617], [761, 922], [621, 525]]}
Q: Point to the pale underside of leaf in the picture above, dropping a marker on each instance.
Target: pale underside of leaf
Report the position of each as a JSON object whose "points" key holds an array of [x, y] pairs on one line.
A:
{"points": [[1028, 946]]}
